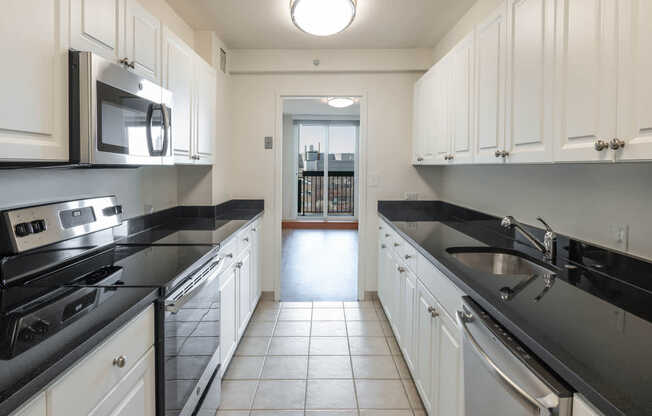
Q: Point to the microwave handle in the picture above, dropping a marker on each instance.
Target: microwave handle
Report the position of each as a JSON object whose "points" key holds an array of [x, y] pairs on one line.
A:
{"points": [[166, 127]]}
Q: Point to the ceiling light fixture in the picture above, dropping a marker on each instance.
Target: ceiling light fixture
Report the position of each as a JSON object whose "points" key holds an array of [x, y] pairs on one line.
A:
{"points": [[340, 102], [322, 17]]}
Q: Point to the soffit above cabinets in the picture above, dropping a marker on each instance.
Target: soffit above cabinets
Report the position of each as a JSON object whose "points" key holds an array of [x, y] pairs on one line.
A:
{"points": [[378, 24]]}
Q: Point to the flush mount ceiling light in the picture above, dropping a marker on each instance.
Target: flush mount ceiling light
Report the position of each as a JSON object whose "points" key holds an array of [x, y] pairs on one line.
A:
{"points": [[340, 102], [322, 17]]}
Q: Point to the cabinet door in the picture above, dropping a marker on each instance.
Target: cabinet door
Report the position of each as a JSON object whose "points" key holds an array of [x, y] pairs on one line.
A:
{"points": [[143, 41], [490, 79], [244, 294], [33, 81], [427, 344], [255, 265], [441, 95], [587, 64], [634, 110], [35, 408], [178, 61], [135, 393], [382, 272], [395, 295], [96, 26], [461, 101], [228, 316], [387, 263], [449, 375], [417, 123], [529, 134], [409, 296], [205, 111]]}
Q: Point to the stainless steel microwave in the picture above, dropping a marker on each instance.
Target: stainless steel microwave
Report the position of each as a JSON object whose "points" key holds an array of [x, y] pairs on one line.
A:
{"points": [[116, 116]]}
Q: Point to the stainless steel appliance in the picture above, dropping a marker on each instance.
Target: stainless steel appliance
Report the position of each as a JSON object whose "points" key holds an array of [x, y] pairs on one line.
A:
{"points": [[501, 377], [116, 116]]}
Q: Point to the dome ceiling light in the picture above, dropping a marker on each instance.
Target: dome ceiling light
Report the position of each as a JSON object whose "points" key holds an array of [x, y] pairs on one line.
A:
{"points": [[340, 102], [322, 17]]}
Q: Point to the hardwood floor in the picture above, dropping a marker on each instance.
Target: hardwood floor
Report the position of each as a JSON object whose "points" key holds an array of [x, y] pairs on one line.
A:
{"points": [[319, 265]]}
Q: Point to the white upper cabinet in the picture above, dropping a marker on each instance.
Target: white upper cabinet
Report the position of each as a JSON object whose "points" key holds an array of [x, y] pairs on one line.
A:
{"points": [[206, 111], [587, 83], [178, 59], [635, 87], [96, 26], [34, 81], [441, 137], [461, 101], [143, 41], [423, 119], [490, 82], [530, 71]]}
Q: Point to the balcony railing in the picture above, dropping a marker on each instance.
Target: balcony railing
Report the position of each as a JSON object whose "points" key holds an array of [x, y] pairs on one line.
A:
{"points": [[311, 193]]}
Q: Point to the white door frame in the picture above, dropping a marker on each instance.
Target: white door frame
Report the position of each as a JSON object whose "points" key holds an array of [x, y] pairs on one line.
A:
{"points": [[361, 200]]}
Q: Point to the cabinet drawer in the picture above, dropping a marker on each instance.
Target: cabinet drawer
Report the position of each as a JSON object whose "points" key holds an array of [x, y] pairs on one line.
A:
{"points": [[230, 251], [83, 387], [441, 287]]}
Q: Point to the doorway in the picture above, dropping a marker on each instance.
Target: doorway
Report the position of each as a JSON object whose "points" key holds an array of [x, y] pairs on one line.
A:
{"points": [[319, 236]]}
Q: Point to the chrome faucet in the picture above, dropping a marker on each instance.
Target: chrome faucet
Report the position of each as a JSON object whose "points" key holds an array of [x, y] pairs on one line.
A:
{"points": [[547, 247]]}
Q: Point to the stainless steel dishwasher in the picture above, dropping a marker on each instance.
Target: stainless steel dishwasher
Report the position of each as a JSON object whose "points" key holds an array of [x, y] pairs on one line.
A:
{"points": [[501, 377]]}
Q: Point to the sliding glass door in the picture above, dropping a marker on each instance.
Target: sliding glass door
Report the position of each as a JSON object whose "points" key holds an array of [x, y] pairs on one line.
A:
{"points": [[327, 168]]}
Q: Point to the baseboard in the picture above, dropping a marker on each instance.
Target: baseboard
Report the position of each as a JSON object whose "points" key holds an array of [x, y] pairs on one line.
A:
{"points": [[320, 225], [370, 295], [267, 295]]}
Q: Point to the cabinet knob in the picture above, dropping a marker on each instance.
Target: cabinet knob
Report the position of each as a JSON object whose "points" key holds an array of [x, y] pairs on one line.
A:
{"points": [[497, 153], [120, 361], [383, 246], [386, 235], [433, 312], [600, 145], [407, 257], [419, 159], [229, 256], [616, 144], [246, 239], [253, 229], [504, 154], [400, 269], [396, 244]]}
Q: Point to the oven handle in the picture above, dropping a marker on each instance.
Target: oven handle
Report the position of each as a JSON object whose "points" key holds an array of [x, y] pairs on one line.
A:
{"points": [[177, 299], [465, 317]]}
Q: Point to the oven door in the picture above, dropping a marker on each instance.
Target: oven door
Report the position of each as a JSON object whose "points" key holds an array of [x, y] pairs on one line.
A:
{"points": [[192, 341]]}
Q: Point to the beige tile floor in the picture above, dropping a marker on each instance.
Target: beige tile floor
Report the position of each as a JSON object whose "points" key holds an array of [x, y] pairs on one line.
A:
{"points": [[319, 359]]}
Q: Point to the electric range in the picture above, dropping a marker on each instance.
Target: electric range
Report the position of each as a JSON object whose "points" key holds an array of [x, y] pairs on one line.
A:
{"points": [[65, 277]]}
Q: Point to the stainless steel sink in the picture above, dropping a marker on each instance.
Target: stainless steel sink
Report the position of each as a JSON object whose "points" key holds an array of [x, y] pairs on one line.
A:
{"points": [[498, 262]]}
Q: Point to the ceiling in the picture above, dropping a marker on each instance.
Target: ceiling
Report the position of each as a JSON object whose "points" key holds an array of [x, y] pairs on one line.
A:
{"points": [[317, 107], [266, 24]]}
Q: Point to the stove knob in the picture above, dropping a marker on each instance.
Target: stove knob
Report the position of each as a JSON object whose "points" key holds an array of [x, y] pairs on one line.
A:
{"points": [[41, 327], [23, 229], [27, 334]]}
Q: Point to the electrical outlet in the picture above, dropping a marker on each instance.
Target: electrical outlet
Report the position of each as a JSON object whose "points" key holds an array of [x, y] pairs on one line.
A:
{"points": [[619, 235], [411, 196]]}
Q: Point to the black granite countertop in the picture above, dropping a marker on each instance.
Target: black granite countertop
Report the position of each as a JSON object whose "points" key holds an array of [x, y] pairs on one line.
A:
{"points": [[187, 228], [593, 326]]}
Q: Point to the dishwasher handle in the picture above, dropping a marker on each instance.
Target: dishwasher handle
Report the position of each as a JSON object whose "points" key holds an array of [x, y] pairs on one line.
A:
{"points": [[464, 318], [177, 299]]}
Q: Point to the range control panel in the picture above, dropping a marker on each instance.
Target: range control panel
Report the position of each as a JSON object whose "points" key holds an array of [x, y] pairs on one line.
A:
{"points": [[32, 227]]}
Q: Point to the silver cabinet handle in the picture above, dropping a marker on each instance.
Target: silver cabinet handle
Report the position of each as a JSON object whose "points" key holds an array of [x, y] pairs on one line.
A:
{"points": [[433, 311], [504, 154], [246, 239], [386, 235], [125, 61], [400, 269], [239, 264], [467, 317], [120, 361], [419, 159], [497, 153], [383, 246], [600, 145], [396, 244], [253, 229], [407, 257], [616, 144]]}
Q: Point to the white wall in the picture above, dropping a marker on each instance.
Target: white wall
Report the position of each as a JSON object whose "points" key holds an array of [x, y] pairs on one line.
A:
{"points": [[140, 191], [389, 116], [580, 200], [289, 174]]}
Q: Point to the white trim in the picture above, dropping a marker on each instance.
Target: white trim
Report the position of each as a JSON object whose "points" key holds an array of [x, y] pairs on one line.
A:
{"points": [[277, 203]]}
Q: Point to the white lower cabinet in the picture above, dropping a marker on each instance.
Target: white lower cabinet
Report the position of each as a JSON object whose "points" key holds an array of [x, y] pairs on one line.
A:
{"points": [[98, 386], [228, 316], [36, 407], [240, 287], [429, 338]]}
